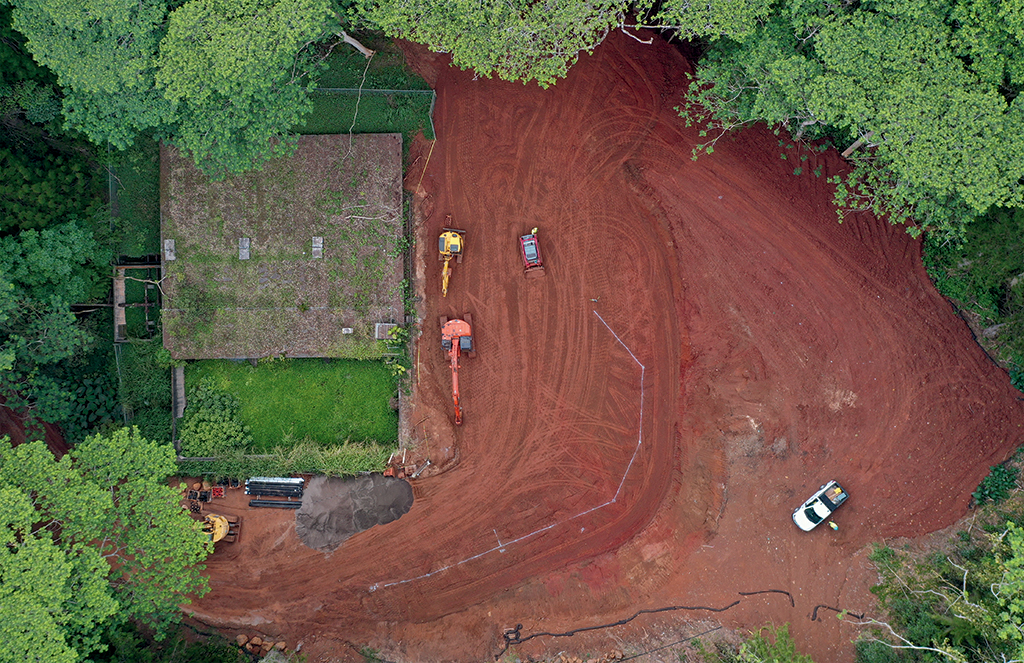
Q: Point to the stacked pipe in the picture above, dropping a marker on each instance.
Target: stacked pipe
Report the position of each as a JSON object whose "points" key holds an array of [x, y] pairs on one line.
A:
{"points": [[275, 487]]}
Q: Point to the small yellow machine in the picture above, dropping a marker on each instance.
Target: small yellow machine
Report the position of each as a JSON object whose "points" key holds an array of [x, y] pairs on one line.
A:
{"points": [[449, 246], [221, 528]]}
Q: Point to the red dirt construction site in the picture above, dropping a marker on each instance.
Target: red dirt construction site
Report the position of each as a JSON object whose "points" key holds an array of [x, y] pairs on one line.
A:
{"points": [[707, 347]]}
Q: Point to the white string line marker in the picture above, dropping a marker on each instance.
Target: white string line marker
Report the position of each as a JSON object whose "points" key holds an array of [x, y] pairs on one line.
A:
{"points": [[640, 437], [502, 547]]}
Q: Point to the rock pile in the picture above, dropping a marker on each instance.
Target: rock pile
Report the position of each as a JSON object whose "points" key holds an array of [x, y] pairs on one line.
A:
{"points": [[259, 645]]}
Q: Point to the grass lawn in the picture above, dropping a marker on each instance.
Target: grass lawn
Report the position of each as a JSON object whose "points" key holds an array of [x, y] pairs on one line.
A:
{"points": [[378, 112], [327, 401]]}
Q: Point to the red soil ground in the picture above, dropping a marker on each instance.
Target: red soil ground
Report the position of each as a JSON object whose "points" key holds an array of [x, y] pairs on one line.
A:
{"points": [[772, 349], [12, 425]]}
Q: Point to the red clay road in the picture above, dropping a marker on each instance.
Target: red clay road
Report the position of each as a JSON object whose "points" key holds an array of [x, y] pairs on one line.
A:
{"points": [[770, 349]]}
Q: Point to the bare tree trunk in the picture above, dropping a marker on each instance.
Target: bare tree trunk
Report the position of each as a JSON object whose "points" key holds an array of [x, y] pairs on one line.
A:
{"points": [[860, 141], [352, 41]]}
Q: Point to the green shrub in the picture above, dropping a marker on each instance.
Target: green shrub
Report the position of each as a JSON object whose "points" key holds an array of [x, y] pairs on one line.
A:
{"points": [[1017, 378], [772, 644], [997, 485], [984, 275], [873, 651], [126, 644], [914, 619], [348, 459], [145, 391], [95, 403], [882, 554], [211, 426]]}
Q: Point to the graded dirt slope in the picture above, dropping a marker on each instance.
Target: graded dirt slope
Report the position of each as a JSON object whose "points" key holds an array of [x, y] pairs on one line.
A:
{"points": [[708, 346]]}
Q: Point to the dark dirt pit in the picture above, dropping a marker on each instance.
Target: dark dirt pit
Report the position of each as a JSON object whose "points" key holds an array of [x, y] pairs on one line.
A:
{"points": [[334, 509]]}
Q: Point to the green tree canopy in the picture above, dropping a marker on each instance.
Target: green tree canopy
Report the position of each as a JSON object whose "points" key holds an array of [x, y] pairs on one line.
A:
{"points": [[527, 41], [41, 274], [237, 71], [52, 599], [96, 537], [713, 19], [104, 56], [934, 83], [225, 80]]}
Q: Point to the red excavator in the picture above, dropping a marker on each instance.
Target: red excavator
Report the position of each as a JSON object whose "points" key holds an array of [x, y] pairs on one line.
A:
{"points": [[457, 338]]}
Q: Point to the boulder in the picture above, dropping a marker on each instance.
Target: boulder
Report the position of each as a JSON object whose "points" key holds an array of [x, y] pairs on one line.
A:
{"points": [[279, 646], [241, 639], [256, 641]]}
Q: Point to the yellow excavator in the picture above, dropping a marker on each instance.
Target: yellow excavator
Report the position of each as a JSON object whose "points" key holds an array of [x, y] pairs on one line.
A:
{"points": [[449, 246], [221, 528]]}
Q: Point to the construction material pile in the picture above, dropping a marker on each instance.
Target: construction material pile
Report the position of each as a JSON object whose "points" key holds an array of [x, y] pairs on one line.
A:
{"points": [[334, 509]]}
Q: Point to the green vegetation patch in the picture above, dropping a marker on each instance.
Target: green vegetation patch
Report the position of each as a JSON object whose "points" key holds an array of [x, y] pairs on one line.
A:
{"points": [[346, 459], [44, 183], [957, 592], [984, 276], [379, 95], [142, 303], [126, 642], [145, 388], [135, 182], [287, 401], [370, 111], [386, 70], [996, 486]]}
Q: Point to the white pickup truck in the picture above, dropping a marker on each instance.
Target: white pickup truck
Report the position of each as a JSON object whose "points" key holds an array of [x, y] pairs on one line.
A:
{"points": [[821, 505]]}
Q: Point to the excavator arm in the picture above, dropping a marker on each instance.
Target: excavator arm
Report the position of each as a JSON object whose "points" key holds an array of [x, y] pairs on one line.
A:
{"points": [[446, 272], [454, 354]]}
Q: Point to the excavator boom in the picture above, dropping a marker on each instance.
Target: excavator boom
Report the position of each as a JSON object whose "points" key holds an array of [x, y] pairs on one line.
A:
{"points": [[454, 354], [446, 272]]}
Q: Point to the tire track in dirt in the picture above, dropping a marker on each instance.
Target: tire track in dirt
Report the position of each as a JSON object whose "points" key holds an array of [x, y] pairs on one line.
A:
{"points": [[780, 349]]}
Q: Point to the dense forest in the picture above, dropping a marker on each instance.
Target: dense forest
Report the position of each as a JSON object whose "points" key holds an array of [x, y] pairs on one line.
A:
{"points": [[927, 91]]}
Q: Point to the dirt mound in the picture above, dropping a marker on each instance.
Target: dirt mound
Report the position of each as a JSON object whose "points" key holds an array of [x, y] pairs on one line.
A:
{"points": [[334, 509], [707, 348]]}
